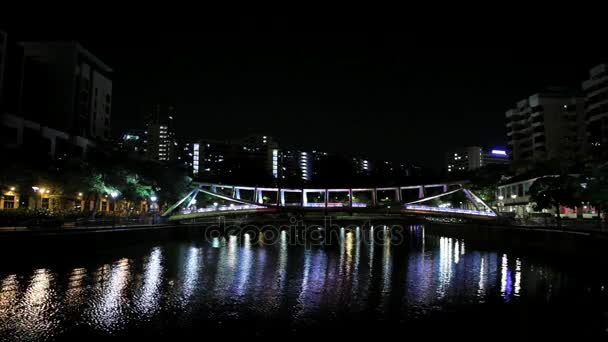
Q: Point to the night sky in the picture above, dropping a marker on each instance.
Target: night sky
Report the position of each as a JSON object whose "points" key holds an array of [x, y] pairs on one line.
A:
{"points": [[389, 96]]}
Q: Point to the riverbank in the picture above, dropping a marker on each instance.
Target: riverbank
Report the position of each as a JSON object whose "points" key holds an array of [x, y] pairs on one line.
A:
{"points": [[73, 240], [537, 240], [483, 235]]}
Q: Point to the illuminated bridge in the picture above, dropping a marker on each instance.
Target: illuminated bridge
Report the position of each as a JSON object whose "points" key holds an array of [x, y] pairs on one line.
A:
{"points": [[447, 200]]}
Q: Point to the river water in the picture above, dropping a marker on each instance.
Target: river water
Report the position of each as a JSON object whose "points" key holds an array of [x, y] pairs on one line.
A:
{"points": [[249, 286]]}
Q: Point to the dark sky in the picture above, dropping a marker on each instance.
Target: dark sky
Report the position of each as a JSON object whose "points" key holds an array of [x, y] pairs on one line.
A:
{"points": [[394, 95]]}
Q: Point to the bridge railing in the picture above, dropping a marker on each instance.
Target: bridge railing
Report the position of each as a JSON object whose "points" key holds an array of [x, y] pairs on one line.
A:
{"points": [[276, 197]]}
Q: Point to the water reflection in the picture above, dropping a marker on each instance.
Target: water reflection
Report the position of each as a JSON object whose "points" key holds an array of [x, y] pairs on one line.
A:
{"points": [[75, 293], [237, 278], [38, 309], [108, 312], [445, 265], [191, 269], [9, 297], [245, 265], [147, 302], [481, 292], [517, 287]]}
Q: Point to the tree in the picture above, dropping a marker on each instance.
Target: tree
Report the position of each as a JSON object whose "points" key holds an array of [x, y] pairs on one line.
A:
{"points": [[597, 186], [556, 191], [483, 181]]}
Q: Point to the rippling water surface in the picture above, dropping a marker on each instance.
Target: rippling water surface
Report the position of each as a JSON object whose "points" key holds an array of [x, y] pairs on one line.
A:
{"points": [[426, 281]]}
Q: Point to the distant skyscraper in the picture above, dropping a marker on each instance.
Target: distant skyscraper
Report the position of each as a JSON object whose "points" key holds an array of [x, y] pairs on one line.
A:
{"points": [[162, 144], [254, 160], [474, 157], [295, 167], [547, 125], [362, 166], [596, 105], [66, 87], [258, 160]]}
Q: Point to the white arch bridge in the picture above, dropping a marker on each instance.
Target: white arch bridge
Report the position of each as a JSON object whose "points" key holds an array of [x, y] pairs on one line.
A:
{"points": [[448, 200]]}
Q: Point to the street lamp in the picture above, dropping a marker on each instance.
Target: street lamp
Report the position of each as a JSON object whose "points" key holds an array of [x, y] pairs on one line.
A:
{"points": [[114, 194], [79, 199], [154, 207], [41, 191]]}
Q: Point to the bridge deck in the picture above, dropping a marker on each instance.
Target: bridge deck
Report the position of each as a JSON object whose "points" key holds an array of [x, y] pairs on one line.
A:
{"points": [[442, 204]]}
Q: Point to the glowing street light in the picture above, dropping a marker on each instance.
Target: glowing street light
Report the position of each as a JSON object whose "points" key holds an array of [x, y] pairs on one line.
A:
{"points": [[80, 194], [114, 194], [41, 191], [12, 188], [501, 198], [513, 196], [153, 198]]}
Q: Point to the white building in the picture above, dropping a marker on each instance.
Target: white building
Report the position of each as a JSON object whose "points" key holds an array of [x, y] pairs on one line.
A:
{"points": [[474, 157], [547, 125], [514, 198], [596, 105]]}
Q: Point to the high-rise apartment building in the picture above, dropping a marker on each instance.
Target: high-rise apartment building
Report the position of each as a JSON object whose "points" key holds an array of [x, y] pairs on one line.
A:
{"points": [[596, 105], [66, 87], [547, 125], [162, 144]]}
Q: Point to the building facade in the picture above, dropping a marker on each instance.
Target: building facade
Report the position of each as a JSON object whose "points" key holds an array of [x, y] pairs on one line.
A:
{"points": [[514, 198], [259, 160], [474, 157], [160, 133], [39, 140], [253, 160], [66, 87], [9, 198], [295, 167], [596, 105], [547, 125]]}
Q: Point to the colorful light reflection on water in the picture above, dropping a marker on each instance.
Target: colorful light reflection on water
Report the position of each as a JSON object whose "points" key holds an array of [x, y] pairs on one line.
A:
{"points": [[178, 284]]}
